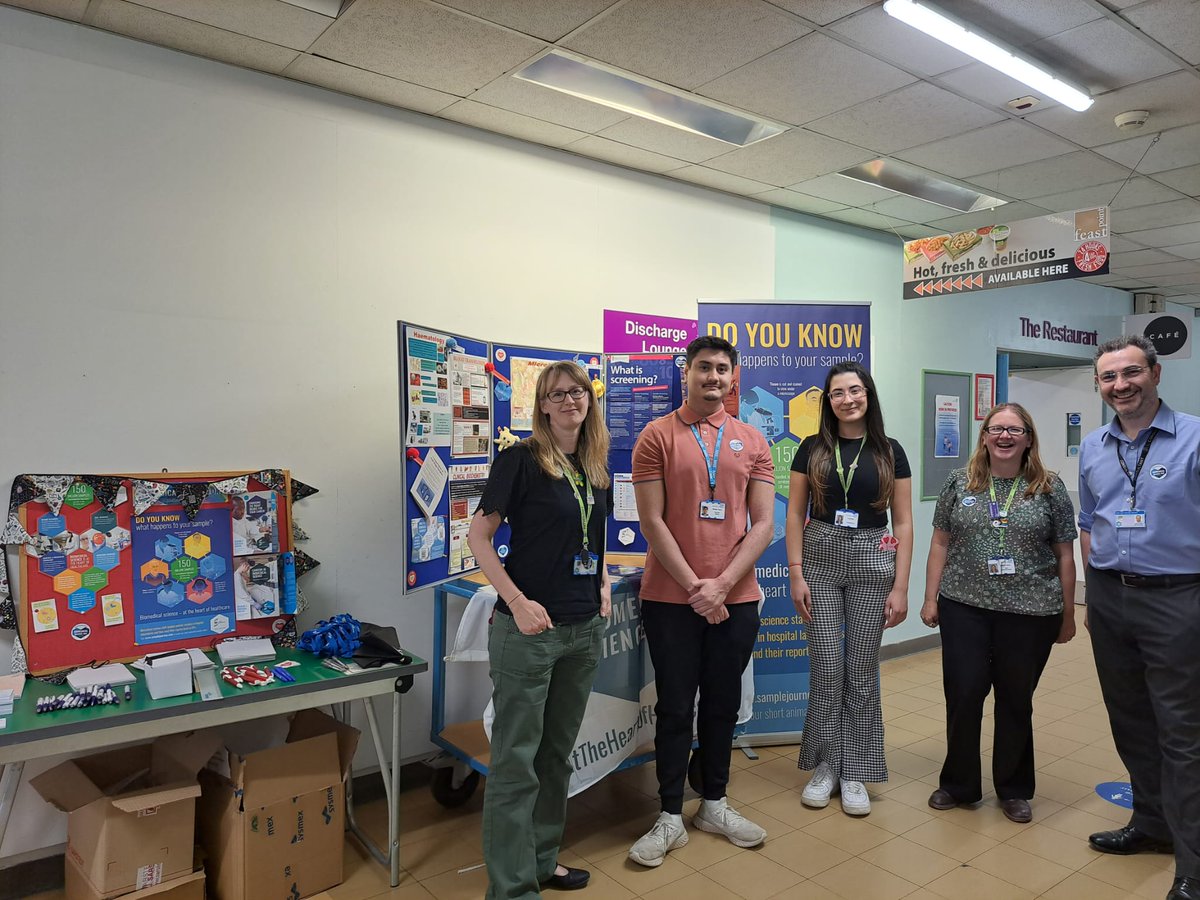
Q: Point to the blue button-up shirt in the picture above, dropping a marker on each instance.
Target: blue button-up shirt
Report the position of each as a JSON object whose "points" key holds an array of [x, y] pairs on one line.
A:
{"points": [[1168, 489]]}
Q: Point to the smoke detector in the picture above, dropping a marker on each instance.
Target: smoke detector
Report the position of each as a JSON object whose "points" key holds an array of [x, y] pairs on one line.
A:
{"points": [[1132, 120]]}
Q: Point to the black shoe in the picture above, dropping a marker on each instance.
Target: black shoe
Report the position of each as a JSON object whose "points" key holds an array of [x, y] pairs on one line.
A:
{"points": [[941, 799], [1017, 811], [1185, 889], [572, 881], [1128, 840]]}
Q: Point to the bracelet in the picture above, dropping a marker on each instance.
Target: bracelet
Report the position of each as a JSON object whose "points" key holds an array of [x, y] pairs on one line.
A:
{"points": [[795, 565], [514, 598]]}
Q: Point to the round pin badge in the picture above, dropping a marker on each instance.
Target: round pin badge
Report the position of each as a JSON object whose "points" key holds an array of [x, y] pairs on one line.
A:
{"points": [[1158, 473], [81, 632], [969, 501], [735, 445]]}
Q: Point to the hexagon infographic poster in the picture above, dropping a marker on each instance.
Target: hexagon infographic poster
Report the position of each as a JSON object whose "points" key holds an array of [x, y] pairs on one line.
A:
{"points": [[183, 575], [785, 351]]}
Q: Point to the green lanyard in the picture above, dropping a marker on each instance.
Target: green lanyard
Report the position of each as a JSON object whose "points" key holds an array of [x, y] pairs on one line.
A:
{"points": [[847, 480], [585, 507], [1007, 503]]}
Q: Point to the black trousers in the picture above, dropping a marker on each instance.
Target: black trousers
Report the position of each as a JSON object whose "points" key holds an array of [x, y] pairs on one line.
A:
{"points": [[689, 654], [1147, 647], [985, 650]]}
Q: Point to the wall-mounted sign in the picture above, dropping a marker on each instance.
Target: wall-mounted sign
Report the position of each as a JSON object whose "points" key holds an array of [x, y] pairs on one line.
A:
{"points": [[626, 332], [1001, 254], [1171, 336]]}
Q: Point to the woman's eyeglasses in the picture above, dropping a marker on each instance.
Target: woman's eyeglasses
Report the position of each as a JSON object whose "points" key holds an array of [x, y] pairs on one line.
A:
{"points": [[1128, 373], [854, 392], [575, 393], [1014, 430]]}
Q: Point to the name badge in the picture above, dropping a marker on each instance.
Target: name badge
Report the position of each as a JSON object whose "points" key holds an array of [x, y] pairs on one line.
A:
{"points": [[1002, 565], [845, 518], [585, 563], [1131, 518], [712, 509], [994, 509]]}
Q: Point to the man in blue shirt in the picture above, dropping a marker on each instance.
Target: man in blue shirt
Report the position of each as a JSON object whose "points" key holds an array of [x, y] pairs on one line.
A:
{"points": [[1139, 522]]}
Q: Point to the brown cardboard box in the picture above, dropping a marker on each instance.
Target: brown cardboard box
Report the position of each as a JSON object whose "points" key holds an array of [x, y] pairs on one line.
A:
{"points": [[273, 828], [130, 812], [186, 887]]}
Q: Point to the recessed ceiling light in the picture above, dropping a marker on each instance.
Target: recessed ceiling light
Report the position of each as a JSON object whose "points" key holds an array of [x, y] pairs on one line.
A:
{"points": [[590, 80], [906, 179]]}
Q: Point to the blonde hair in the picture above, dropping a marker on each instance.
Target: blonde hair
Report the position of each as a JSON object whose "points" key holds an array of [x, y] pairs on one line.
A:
{"points": [[979, 470], [593, 437]]}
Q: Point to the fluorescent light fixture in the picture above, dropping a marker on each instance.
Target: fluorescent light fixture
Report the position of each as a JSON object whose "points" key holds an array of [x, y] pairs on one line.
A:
{"points": [[906, 179], [590, 80], [970, 40]]}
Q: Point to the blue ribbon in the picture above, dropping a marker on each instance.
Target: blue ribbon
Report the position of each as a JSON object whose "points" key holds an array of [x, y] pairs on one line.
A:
{"points": [[333, 637]]}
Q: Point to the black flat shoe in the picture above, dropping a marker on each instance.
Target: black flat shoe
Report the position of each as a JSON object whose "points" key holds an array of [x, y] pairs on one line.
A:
{"points": [[1129, 840], [572, 881], [1017, 811], [1185, 889], [940, 799]]}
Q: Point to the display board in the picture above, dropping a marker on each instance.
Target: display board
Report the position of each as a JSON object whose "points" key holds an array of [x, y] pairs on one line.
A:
{"points": [[116, 566], [946, 407], [459, 398]]}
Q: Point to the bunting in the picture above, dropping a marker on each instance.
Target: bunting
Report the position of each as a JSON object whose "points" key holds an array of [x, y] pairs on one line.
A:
{"points": [[105, 487], [304, 562], [300, 490], [146, 494], [53, 488]]}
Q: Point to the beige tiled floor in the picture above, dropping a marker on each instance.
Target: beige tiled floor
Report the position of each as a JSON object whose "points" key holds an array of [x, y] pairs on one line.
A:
{"points": [[902, 850]]}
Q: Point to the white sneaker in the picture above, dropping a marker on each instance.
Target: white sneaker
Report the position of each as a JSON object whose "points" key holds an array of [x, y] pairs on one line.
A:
{"points": [[855, 801], [667, 834], [819, 787], [718, 817]]}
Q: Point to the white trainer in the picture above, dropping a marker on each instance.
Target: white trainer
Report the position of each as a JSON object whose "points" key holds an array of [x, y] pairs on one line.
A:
{"points": [[855, 801], [819, 788], [718, 817], [652, 847]]}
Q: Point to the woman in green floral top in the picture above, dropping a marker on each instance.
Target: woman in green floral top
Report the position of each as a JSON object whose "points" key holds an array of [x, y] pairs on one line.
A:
{"points": [[1001, 573]]}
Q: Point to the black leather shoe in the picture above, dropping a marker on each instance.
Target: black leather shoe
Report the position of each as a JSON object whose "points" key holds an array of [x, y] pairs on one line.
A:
{"points": [[1017, 811], [1128, 840], [1185, 889], [940, 799], [572, 881]]}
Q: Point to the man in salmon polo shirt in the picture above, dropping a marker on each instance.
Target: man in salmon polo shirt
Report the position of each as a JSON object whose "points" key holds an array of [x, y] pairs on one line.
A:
{"points": [[700, 475]]}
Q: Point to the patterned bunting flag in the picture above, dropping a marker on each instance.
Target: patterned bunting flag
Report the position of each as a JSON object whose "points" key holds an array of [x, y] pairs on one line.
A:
{"points": [[14, 532], [191, 494], [304, 562], [286, 636], [53, 488], [8, 614], [105, 487], [298, 533], [300, 490], [236, 485], [23, 490], [272, 478], [146, 494]]}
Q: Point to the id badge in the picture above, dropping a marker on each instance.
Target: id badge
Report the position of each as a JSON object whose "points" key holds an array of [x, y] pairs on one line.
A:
{"points": [[994, 509], [1131, 518], [585, 563], [1002, 565], [845, 518], [712, 509]]}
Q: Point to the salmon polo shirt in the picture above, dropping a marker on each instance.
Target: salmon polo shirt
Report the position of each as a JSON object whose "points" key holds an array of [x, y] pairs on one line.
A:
{"points": [[667, 451]]}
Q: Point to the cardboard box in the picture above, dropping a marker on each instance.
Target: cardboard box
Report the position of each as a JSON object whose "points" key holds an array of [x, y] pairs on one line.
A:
{"points": [[186, 887], [273, 826], [130, 812]]}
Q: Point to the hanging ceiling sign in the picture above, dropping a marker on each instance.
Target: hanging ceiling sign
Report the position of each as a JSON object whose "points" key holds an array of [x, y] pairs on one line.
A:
{"points": [[1006, 254]]}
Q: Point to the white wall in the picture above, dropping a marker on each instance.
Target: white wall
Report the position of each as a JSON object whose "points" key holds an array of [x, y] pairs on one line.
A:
{"points": [[202, 268]]}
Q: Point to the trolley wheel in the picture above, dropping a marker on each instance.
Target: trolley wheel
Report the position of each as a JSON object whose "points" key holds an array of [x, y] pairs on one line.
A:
{"points": [[694, 776], [450, 790]]}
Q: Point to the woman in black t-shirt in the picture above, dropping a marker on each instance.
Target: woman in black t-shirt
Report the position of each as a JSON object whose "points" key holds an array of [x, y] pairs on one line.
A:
{"points": [[555, 492], [847, 569]]}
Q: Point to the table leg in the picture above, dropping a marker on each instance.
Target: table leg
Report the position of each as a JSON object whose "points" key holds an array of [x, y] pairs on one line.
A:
{"points": [[10, 778]]}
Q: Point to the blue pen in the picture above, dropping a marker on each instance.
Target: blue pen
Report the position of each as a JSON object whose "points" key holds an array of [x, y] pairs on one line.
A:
{"points": [[282, 674]]}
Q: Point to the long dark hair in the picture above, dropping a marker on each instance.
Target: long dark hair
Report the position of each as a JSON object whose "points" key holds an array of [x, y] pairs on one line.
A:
{"points": [[820, 458]]}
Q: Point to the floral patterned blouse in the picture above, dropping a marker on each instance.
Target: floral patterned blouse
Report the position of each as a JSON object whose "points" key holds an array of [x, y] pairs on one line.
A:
{"points": [[1035, 524]]}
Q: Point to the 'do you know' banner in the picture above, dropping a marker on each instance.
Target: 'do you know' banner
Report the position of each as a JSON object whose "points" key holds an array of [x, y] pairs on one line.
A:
{"points": [[785, 350]]}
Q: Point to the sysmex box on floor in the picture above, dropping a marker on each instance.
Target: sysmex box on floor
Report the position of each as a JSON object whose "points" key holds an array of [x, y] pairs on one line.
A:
{"points": [[271, 822], [130, 812], [186, 887]]}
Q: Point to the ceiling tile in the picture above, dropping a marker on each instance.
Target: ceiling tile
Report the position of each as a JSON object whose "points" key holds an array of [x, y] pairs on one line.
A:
{"points": [[686, 42], [843, 190], [623, 155], [917, 114], [349, 80], [1005, 144], [423, 44], [878, 33], [1189, 280], [1173, 23], [1187, 296], [1009, 213], [1173, 100], [513, 124], [1119, 243], [1157, 215], [805, 80], [531, 99], [1125, 261], [268, 20], [1172, 234], [823, 11], [659, 138], [1116, 280], [790, 157], [985, 85], [1103, 56], [1137, 192], [1175, 149], [72, 10], [548, 21], [867, 218], [1058, 174], [911, 209], [1187, 251], [183, 34], [721, 181], [1186, 179], [1021, 21], [799, 202], [909, 232], [1186, 269]]}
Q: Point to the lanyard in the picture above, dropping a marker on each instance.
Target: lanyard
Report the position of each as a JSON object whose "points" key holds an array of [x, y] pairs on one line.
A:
{"points": [[585, 507], [711, 461], [1133, 477], [1012, 492], [843, 478]]}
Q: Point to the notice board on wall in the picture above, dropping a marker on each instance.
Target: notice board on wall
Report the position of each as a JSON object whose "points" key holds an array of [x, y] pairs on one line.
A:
{"points": [[946, 408], [459, 396]]}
